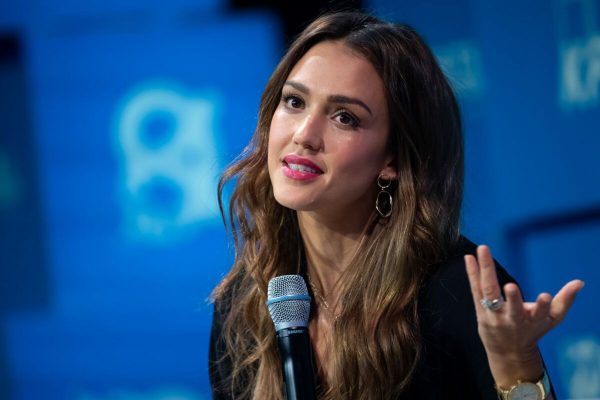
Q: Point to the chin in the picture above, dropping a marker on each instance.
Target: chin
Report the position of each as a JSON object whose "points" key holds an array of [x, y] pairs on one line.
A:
{"points": [[294, 203]]}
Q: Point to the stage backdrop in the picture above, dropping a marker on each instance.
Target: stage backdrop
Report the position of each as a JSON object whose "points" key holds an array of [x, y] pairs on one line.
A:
{"points": [[116, 119]]}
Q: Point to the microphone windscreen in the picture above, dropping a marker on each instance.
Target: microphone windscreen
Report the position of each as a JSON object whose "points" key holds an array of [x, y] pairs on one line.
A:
{"points": [[288, 302]]}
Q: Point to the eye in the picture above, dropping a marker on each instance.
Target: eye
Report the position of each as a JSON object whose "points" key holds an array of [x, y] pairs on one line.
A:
{"points": [[293, 101], [347, 119]]}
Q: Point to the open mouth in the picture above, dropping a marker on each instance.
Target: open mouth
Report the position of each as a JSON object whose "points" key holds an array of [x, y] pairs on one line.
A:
{"points": [[300, 169], [301, 164], [303, 168]]}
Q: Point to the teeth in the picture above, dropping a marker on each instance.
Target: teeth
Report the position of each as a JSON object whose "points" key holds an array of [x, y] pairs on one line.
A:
{"points": [[302, 168]]}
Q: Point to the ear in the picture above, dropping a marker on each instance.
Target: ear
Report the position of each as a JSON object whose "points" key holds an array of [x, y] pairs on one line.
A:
{"points": [[389, 171]]}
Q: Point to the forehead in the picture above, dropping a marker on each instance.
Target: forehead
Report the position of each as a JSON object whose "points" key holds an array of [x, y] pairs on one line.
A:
{"points": [[331, 67]]}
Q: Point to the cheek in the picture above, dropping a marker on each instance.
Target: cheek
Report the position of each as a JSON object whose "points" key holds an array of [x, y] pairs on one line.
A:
{"points": [[276, 140], [279, 133], [361, 159]]}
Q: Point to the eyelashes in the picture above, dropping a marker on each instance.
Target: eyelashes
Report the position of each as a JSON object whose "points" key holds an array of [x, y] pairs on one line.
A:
{"points": [[346, 118], [342, 116], [292, 101]]}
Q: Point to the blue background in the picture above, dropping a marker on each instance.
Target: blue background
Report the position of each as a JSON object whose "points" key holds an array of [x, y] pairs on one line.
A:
{"points": [[117, 117]]}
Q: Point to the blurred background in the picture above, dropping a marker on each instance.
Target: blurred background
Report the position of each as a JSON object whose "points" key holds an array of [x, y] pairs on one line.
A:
{"points": [[116, 118]]}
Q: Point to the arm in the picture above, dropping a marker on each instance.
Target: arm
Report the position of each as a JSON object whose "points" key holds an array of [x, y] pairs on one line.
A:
{"points": [[510, 334]]}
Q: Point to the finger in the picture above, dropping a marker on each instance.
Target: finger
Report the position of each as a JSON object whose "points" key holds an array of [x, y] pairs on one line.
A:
{"points": [[473, 274], [514, 301], [489, 281], [541, 310], [564, 300]]}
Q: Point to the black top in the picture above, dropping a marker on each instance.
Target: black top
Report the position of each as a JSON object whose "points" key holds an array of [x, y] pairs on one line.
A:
{"points": [[453, 362]]}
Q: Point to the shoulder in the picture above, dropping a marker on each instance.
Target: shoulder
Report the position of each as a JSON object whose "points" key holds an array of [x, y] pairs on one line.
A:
{"points": [[220, 364]]}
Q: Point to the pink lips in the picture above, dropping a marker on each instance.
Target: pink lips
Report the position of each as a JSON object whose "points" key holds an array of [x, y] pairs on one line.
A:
{"points": [[299, 168]]}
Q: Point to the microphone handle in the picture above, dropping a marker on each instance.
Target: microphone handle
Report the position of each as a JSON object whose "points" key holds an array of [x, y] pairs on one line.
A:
{"points": [[296, 359]]}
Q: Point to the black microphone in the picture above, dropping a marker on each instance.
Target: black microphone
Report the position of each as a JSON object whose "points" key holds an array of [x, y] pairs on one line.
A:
{"points": [[289, 306]]}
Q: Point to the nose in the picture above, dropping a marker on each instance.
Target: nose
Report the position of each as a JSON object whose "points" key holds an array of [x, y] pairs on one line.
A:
{"points": [[309, 133]]}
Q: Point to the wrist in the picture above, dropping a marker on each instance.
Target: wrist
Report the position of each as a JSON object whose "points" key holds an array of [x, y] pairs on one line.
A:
{"points": [[508, 369]]}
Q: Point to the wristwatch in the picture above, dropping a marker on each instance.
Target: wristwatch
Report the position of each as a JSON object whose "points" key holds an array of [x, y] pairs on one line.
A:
{"points": [[526, 390]]}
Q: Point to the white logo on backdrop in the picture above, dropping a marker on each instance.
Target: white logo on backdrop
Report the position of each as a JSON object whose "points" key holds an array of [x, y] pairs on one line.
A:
{"points": [[578, 27], [461, 62], [167, 140], [580, 365]]}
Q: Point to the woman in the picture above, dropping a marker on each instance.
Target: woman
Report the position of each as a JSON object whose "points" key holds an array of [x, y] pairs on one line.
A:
{"points": [[353, 179]]}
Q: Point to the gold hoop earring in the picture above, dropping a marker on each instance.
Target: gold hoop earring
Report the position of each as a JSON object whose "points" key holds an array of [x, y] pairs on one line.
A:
{"points": [[383, 203]]}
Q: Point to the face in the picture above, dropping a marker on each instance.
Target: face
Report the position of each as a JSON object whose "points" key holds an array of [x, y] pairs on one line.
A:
{"points": [[328, 136]]}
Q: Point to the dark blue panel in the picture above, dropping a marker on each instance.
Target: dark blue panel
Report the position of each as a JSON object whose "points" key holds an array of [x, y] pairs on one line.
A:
{"points": [[24, 282], [553, 254]]}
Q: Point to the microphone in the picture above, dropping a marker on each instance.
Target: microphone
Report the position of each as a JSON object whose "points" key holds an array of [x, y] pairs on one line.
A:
{"points": [[289, 306]]}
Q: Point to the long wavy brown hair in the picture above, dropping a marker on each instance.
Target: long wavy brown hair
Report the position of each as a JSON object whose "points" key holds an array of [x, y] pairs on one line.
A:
{"points": [[375, 339]]}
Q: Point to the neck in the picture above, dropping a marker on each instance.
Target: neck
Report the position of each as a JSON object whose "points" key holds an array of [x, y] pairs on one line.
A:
{"points": [[330, 247]]}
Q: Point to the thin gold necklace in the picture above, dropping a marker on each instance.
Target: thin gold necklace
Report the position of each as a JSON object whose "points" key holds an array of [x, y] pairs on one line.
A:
{"points": [[317, 293], [321, 300]]}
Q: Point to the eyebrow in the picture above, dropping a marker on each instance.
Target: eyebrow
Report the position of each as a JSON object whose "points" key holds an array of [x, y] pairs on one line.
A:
{"points": [[334, 98]]}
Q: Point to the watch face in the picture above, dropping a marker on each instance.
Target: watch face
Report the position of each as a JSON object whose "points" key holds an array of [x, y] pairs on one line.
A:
{"points": [[525, 391]]}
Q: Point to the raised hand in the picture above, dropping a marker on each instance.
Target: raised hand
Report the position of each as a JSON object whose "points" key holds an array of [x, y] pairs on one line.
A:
{"points": [[510, 329]]}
